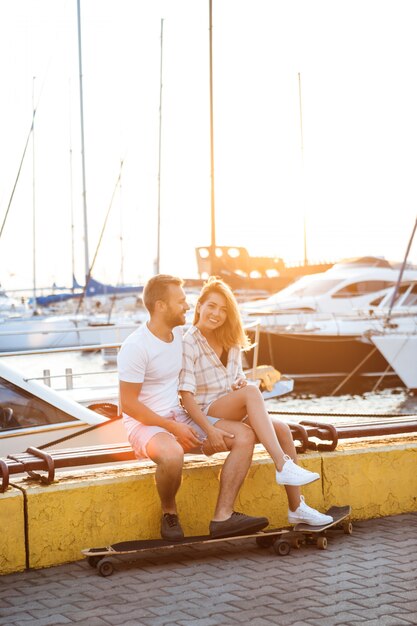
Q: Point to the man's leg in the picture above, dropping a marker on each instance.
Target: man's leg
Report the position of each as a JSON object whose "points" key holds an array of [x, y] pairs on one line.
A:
{"points": [[227, 522], [168, 455], [235, 467]]}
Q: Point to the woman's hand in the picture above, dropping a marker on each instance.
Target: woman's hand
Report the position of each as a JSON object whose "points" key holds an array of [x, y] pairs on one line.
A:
{"points": [[185, 435], [239, 383], [216, 439]]}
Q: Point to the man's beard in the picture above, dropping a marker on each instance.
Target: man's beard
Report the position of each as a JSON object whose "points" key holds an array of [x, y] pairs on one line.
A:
{"points": [[174, 319]]}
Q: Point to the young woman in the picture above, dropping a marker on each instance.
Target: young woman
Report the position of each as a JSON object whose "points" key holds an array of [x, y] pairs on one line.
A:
{"points": [[213, 387]]}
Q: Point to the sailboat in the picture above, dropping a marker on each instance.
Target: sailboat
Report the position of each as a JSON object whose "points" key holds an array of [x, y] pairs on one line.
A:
{"points": [[34, 331]]}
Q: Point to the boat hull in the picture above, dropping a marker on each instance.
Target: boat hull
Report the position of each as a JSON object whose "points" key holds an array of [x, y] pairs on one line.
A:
{"points": [[303, 355]]}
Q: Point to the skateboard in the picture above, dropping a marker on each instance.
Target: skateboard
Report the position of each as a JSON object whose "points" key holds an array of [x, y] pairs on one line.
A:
{"points": [[103, 558], [305, 534]]}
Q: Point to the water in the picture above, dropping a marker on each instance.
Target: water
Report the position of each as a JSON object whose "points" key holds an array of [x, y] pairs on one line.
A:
{"points": [[349, 407], [303, 401]]}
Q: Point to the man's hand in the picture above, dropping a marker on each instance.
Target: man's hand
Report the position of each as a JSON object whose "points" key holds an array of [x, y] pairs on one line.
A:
{"points": [[239, 383], [185, 435]]}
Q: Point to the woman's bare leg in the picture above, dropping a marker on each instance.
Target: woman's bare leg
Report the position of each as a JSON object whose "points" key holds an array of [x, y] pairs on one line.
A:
{"points": [[286, 441], [249, 401]]}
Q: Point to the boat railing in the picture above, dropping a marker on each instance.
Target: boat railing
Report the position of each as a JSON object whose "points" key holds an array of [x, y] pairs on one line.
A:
{"points": [[94, 327]]}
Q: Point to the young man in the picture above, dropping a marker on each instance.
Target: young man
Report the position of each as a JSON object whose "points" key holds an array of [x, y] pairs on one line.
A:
{"points": [[149, 363]]}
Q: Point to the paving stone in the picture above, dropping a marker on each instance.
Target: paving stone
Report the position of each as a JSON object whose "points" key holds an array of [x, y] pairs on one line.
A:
{"points": [[133, 616], [344, 619], [387, 620], [166, 620], [207, 621], [6, 618], [368, 577], [53, 620]]}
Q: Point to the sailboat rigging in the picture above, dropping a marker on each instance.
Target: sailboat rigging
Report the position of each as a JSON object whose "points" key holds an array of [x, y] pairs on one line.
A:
{"points": [[86, 259], [233, 263], [158, 243]]}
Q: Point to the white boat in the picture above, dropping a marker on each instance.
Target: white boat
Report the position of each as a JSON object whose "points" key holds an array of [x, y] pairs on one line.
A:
{"points": [[365, 342], [400, 351], [10, 306], [53, 331], [342, 290], [33, 414]]}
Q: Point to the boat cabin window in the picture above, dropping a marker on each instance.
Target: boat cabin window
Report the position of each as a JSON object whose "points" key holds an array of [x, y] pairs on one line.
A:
{"points": [[378, 301], [386, 299], [20, 409], [411, 298], [308, 287], [362, 288]]}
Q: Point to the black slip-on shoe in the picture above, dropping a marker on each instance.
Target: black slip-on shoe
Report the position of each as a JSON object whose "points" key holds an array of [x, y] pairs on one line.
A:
{"points": [[171, 528], [237, 524]]}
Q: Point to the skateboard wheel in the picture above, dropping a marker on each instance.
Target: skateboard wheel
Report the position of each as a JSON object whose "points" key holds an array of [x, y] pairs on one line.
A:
{"points": [[93, 560], [105, 567], [281, 548], [348, 528], [264, 542], [322, 543], [296, 543]]}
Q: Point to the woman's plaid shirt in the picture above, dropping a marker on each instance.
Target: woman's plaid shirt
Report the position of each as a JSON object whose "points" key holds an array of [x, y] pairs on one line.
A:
{"points": [[202, 373]]}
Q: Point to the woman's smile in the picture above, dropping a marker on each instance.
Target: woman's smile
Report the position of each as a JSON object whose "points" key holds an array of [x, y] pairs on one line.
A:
{"points": [[213, 311]]}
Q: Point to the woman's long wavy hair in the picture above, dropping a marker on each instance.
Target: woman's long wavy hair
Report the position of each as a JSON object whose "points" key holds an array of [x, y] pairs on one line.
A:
{"points": [[231, 333]]}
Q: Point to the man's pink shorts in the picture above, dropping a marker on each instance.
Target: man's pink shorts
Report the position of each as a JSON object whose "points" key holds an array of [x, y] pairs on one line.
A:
{"points": [[141, 434]]}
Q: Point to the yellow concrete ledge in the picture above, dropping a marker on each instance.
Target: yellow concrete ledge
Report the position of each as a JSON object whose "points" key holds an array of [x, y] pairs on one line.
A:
{"points": [[12, 532], [376, 481], [97, 508]]}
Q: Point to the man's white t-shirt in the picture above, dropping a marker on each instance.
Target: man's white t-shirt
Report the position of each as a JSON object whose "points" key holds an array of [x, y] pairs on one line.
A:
{"points": [[144, 358]]}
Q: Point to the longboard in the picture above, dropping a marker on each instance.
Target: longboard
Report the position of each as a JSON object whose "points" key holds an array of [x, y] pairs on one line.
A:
{"points": [[303, 533], [103, 558]]}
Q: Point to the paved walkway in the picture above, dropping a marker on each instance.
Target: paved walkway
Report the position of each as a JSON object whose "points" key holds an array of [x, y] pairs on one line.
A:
{"points": [[367, 578]]}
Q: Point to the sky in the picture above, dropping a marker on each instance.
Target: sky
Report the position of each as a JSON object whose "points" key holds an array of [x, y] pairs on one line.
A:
{"points": [[349, 69]]}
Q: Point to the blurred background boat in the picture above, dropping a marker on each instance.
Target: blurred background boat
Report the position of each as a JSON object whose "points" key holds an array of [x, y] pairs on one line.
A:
{"points": [[377, 338]]}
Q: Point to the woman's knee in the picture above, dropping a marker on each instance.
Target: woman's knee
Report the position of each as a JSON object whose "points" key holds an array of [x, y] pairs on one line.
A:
{"points": [[253, 392]]}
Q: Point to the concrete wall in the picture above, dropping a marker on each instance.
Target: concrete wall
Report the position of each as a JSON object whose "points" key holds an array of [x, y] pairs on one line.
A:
{"points": [[12, 532], [91, 508]]}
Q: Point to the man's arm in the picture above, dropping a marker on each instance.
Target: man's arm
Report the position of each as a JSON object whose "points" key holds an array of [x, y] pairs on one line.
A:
{"points": [[129, 393]]}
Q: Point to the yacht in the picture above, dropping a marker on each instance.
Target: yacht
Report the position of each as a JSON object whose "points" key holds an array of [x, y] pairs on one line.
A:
{"points": [[346, 287], [378, 340], [43, 332], [34, 414]]}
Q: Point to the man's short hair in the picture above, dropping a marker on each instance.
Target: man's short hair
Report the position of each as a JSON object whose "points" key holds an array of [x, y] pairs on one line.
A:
{"points": [[157, 289]]}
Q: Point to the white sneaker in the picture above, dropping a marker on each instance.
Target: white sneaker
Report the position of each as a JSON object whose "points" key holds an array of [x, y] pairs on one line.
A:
{"points": [[292, 474], [306, 515]]}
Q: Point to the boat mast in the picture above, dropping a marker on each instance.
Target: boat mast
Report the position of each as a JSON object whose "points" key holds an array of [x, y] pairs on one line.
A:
{"points": [[71, 195], [86, 259], [158, 243], [213, 213], [33, 196], [122, 256], [302, 172], [400, 277]]}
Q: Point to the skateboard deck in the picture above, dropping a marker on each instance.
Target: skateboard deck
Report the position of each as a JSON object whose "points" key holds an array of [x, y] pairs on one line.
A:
{"points": [[102, 558], [303, 533]]}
